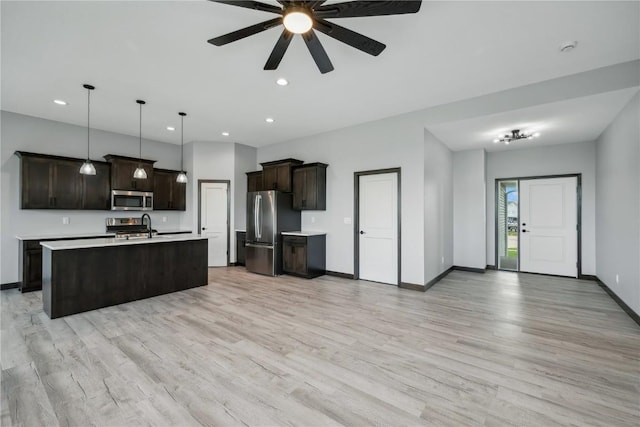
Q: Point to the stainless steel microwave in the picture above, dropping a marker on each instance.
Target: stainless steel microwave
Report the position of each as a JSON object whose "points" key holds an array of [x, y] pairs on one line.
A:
{"points": [[123, 200]]}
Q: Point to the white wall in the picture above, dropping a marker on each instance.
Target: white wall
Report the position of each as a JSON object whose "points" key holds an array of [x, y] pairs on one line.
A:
{"points": [[388, 143], [469, 209], [550, 160], [618, 205], [438, 207], [25, 133], [245, 161]]}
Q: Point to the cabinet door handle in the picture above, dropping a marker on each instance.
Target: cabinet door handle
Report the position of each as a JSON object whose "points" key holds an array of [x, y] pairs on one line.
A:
{"points": [[275, 185], [293, 249], [304, 203]]}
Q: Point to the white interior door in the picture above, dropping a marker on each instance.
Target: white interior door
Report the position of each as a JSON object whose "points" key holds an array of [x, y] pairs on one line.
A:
{"points": [[378, 221], [213, 220], [548, 226]]}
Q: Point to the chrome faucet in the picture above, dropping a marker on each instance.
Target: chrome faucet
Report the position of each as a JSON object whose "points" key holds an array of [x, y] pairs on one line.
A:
{"points": [[148, 224]]}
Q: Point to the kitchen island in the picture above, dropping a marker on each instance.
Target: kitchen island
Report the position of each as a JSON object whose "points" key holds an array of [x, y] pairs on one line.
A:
{"points": [[86, 274]]}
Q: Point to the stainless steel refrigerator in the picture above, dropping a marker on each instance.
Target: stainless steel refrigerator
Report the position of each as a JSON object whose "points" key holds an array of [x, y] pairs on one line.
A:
{"points": [[268, 214]]}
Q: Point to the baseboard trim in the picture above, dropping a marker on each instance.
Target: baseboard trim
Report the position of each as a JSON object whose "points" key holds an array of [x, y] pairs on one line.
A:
{"points": [[470, 269], [338, 274], [622, 304], [588, 277], [412, 286], [13, 285], [436, 279], [490, 267]]}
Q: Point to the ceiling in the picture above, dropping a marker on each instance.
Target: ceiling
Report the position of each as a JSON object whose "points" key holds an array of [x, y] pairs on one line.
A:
{"points": [[157, 51]]}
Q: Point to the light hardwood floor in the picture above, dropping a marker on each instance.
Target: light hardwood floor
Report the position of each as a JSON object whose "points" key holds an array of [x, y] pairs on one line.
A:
{"points": [[476, 349]]}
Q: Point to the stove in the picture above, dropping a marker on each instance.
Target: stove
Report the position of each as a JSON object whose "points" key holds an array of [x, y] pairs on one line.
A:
{"points": [[128, 228]]}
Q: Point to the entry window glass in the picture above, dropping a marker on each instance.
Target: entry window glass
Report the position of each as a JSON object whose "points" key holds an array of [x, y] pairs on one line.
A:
{"points": [[507, 227]]}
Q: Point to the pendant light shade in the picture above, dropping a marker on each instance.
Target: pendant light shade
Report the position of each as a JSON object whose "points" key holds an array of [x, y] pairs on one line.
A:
{"points": [[182, 176], [140, 173], [87, 167]]}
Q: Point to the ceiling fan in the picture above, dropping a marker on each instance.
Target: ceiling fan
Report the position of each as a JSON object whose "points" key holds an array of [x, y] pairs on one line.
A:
{"points": [[303, 17]]}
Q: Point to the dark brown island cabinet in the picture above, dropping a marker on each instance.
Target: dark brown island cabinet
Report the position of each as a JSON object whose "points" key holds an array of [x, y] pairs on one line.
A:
{"points": [[277, 175], [254, 181], [304, 256], [122, 169], [55, 182], [310, 187], [168, 194]]}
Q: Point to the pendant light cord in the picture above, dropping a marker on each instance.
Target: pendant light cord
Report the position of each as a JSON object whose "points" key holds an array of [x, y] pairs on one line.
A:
{"points": [[181, 143], [140, 157], [88, 119]]}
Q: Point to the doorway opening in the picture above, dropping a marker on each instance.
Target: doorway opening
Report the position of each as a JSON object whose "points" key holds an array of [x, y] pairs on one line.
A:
{"points": [[377, 226], [507, 213]]}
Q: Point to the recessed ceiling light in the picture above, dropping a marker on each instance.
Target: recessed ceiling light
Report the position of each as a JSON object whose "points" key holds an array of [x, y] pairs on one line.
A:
{"points": [[59, 102], [171, 128], [282, 81], [225, 133], [568, 46], [269, 120]]}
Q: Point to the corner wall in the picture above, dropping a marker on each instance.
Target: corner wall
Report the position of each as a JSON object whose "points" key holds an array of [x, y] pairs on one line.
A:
{"points": [[618, 205], [438, 207]]}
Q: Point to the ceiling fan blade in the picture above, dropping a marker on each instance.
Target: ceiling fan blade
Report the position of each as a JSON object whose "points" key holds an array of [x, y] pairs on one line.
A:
{"points": [[353, 39], [252, 5], [317, 51], [278, 51], [353, 9], [245, 32], [315, 4]]}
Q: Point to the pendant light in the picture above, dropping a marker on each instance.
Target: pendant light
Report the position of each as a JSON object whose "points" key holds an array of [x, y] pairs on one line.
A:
{"points": [[87, 167], [140, 173], [182, 176]]}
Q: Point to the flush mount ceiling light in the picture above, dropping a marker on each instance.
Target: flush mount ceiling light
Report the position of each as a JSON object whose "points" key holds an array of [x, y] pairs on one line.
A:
{"points": [[514, 136], [182, 176], [305, 17], [87, 167], [282, 81], [60, 102], [140, 173]]}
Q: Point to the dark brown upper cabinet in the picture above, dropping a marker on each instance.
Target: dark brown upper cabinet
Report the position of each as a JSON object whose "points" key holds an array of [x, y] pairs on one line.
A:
{"points": [[55, 182], [254, 181], [310, 187], [122, 169], [277, 175], [168, 194]]}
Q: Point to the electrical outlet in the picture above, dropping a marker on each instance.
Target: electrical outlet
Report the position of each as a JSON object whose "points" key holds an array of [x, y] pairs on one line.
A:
{"points": [[164, 219], [313, 219], [617, 279], [442, 260], [65, 220]]}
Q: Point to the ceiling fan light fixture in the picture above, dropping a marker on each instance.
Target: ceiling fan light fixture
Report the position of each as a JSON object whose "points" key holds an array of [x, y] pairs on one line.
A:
{"points": [[297, 20], [516, 135]]}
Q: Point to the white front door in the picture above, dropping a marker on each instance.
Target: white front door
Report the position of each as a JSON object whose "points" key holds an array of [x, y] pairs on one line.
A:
{"points": [[548, 226], [213, 220], [378, 222]]}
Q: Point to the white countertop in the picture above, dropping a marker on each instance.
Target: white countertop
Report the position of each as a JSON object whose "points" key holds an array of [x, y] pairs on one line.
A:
{"points": [[105, 241], [62, 236], [173, 230], [306, 233], [241, 231]]}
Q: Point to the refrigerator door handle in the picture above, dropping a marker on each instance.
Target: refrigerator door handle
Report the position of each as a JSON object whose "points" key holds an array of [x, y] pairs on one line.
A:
{"points": [[257, 215], [253, 245]]}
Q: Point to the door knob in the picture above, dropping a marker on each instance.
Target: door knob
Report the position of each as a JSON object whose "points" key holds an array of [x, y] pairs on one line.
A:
{"points": [[362, 232], [524, 223], [524, 231], [204, 228]]}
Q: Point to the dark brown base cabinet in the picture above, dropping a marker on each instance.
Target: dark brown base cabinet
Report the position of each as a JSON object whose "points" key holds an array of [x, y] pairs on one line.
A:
{"points": [[241, 239], [77, 280], [304, 256]]}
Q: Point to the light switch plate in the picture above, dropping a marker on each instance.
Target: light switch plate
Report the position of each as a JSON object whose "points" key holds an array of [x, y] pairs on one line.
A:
{"points": [[65, 220]]}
